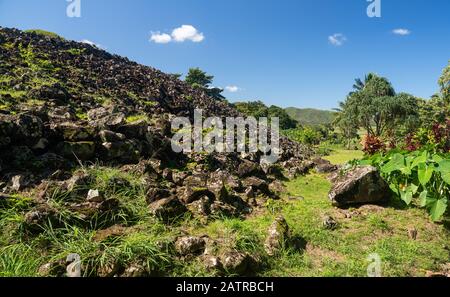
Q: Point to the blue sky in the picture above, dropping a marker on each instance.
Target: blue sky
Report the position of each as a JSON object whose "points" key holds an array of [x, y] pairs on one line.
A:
{"points": [[279, 52]]}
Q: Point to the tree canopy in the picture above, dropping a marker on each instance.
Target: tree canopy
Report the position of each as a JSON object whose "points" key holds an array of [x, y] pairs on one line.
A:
{"points": [[444, 82], [198, 78], [258, 109], [374, 106]]}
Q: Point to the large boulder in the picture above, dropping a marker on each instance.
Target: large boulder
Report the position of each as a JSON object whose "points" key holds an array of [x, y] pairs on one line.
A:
{"points": [[109, 136], [362, 185], [241, 264], [247, 168], [125, 151], [74, 132], [137, 129], [38, 217], [191, 194], [167, 209], [53, 92], [277, 237], [324, 166], [29, 129], [190, 245], [83, 150], [156, 193]]}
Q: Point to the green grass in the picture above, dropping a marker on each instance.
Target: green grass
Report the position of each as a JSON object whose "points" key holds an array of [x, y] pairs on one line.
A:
{"points": [[76, 51], [340, 156], [148, 242], [136, 118], [43, 33]]}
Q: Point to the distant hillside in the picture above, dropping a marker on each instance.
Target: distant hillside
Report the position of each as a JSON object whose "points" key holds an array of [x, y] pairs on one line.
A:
{"points": [[310, 116]]}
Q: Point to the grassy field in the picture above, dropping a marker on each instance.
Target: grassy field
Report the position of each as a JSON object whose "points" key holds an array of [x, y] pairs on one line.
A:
{"points": [[344, 251], [339, 252], [341, 156]]}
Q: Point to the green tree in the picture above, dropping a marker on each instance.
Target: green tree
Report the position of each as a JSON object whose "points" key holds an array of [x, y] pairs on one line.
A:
{"points": [[198, 78], [346, 123], [176, 75], [258, 109], [255, 109], [431, 111], [444, 82], [360, 84], [376, 107], [286, 122]]}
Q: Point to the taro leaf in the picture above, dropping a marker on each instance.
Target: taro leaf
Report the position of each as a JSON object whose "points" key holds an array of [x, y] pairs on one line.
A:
{"points": [[408, 193], [444, 169], [406, 197], [366, 162], [425, 173], [394, 188], [396, 163], [437, 158], [437, 208], [406, 170], [420, 159], [423, 198]]}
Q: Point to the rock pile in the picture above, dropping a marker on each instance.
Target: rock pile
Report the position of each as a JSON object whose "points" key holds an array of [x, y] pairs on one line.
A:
{"points": [[66, 103]]}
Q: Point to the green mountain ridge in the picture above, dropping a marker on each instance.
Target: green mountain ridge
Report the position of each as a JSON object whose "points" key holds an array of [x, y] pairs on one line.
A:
{"points": [[311, 116]]}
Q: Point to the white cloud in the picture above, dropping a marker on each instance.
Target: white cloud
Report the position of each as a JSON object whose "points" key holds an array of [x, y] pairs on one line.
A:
{"points": [[180, 34], [187, 32], [91, 43], [232, 89], [401, 31], [158, 37], [337, 39]]}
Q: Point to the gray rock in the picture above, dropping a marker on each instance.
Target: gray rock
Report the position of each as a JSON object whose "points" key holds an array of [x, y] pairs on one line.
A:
{"points": [[238, 263], [178, 177], [247, 168], [18, 183], [39, 216], [278, 236], [324, 166], [41, 144], [190, 245], [167, 209], [74, 132], [94, 196], [189, 195], [212, 263], [329, 223], [126, 151], [256, 184], [135, 270], [200, 207], [362, 185], [109, 136], [29, 129], [276, 187], [155, 194], [249, 193], [78, 182], [83, 150]]}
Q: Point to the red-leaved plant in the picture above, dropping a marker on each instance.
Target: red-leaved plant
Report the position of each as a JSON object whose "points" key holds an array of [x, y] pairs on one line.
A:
{"points": [[372, 144]]}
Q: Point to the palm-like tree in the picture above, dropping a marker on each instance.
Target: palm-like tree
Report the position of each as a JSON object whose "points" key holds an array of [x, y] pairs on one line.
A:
{"points": [[360, 84]]}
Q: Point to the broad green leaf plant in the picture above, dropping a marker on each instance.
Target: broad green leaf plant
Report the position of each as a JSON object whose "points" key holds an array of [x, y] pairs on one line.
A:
{"points": [[418, 175]]}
